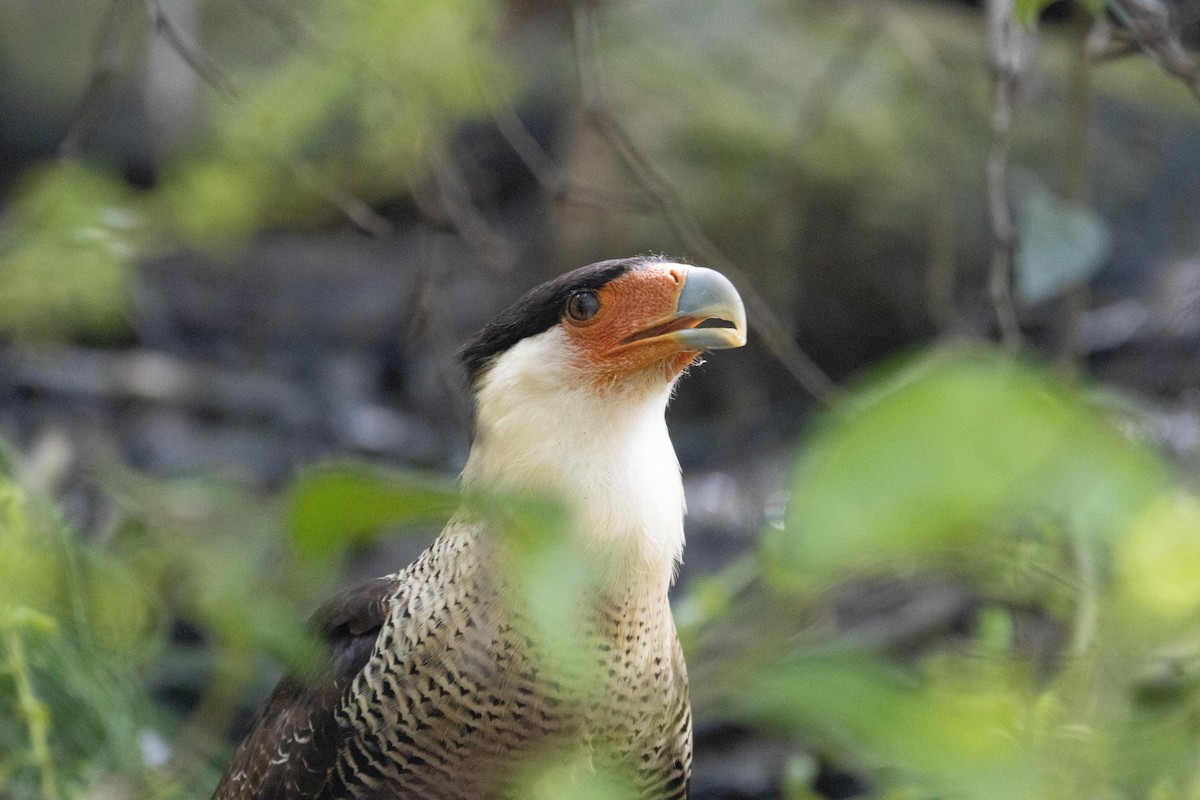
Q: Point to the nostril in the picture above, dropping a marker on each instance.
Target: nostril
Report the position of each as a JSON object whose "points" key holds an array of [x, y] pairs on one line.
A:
{"points": [[676, 276]]}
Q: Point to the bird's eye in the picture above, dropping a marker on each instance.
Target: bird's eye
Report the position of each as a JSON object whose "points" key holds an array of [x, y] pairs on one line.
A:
{"points": [[582, 305]]}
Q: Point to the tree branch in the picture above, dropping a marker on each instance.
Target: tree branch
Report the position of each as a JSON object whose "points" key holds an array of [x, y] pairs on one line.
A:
{"points": [[97, 98], [598, 111], [550, 176], [1109, 43], [492, 247], [192, 54], [1010, 48], [354, 208], [1078, 150], [1149, 22], [429, 324], [940, 272]]}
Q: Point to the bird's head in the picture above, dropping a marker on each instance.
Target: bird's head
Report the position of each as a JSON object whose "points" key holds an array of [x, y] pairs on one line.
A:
{"points": [[615, 325], [570, 386]]}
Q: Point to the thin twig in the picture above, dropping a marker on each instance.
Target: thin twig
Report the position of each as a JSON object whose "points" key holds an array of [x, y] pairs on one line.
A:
{"points": [[443, 200], [492, 248], [598, 111], [428, 322], [111, 49], [940, 272], [1010, 48], [862, 25], [1149, 22], [1076, 168], [284, 17], [33, 711], [191, 53], [354, 208], [550, 176], [1108, 42]]}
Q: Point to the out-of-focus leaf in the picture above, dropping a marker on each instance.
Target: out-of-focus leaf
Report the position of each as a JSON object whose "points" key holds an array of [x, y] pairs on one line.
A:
{"points": [[66, 253], [215, 202], [956, 739], [551, 580], [120, 613], [1027, 11], [356, 107], [1158, 563], [557, 776], [1058, 245], [955, 448], [77, 625], [335, 506], [44, 573], [361, 108]]}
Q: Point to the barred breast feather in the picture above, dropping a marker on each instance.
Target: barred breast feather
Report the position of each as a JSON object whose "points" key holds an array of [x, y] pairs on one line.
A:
{"points": [[432, 689]]}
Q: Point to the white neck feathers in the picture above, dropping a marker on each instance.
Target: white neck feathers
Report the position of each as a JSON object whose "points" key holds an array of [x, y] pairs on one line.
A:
{"points": [[604, 453]]}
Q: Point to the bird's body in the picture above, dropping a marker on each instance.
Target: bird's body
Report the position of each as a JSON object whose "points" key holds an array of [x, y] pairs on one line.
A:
{"points": [[435, 688]]}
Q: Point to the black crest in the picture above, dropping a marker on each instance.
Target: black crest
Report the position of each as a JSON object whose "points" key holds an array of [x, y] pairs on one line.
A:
{"points": [[539, 310]]}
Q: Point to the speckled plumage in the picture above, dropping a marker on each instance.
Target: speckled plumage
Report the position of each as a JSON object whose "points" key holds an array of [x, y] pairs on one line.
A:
{"points": [[449, 697]]}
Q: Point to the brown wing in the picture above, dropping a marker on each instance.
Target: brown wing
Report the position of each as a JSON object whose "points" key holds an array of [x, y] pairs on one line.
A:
{"points": [[294, 740]]}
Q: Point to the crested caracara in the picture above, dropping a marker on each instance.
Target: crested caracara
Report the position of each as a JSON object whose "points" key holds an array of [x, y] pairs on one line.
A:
{"points": [[432, 687]]}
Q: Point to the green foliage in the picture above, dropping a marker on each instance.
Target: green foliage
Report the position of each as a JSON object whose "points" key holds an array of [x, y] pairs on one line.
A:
{"points": [[947, 453], [960, 464], [950, 732], [968, 465], [74, 625], [84, 644], [570, 775], [360, 100], [337, 505], [67, 244], [1028, 11], [554, 583]]}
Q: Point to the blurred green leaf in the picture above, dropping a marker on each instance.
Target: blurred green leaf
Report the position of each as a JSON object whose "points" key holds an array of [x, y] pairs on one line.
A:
{"points": [[570, 775], [77, 626], [334, 506], [1058, 245], [215, 202], [67, 248], [363, 104], [553, 581], [359, 103], [950, 450], [1028, 11], [1157, 564], [947, 737]]}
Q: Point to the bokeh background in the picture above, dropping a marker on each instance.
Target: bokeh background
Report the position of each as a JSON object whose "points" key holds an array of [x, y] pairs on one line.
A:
{"points": [[942, 535]]}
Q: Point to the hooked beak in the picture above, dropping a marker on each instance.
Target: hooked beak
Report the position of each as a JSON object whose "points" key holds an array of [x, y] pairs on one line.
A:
{"points": [[707, 296]]}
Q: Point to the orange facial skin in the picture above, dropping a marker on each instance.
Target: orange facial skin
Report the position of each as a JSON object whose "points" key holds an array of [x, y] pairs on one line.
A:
{"points": [[624, 337]]}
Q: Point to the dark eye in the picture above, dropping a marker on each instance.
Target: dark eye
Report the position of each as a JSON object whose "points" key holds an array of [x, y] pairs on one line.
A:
{"points": [[582, 305]]}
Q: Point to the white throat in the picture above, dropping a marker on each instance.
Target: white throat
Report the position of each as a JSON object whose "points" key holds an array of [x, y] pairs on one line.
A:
{"points": [[605, 454]]}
